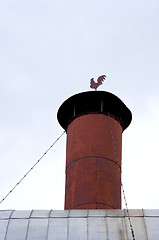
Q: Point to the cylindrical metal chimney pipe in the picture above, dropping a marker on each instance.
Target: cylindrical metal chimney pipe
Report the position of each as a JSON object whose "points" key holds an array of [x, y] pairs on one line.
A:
{"points": [[94, 122]]}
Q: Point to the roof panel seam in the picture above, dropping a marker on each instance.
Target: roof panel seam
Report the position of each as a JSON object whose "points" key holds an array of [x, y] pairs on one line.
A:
{"points": [[8, 225]]}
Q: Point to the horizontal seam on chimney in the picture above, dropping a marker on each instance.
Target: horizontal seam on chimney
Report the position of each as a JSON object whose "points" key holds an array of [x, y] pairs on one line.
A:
{"points": [[78, 159], [94, 203]]}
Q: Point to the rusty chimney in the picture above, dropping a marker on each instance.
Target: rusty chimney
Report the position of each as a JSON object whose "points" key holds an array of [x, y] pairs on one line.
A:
{"points": [[94, 122]]}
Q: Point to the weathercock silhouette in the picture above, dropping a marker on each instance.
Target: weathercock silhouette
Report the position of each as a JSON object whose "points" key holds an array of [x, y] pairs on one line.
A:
{"points": [[94, 84]]}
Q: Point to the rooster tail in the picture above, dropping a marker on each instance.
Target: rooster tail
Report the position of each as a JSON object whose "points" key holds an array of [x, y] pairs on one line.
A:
{"points": [[101, 79]]}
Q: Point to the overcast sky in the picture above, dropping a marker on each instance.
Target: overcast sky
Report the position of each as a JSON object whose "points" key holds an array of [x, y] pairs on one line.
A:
{"points": [[49, 50]]}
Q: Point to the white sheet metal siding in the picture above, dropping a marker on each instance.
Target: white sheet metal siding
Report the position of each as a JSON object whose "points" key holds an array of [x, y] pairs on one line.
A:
{"points": [[57, 229], [78, 224]]}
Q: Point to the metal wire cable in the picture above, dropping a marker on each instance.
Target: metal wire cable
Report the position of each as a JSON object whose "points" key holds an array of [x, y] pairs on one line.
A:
{"points": [[31, 168], [119, 172]]}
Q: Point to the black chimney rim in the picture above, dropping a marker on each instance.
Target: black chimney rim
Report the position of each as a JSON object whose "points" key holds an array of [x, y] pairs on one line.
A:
{"points": [[93, 102]]}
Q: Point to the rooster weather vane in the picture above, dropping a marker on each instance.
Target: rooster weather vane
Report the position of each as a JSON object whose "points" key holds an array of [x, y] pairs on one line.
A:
{"points": [[94, 84]]}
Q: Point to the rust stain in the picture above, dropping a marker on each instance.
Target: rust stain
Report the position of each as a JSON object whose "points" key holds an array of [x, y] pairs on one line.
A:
{"points": [[92, 175]]}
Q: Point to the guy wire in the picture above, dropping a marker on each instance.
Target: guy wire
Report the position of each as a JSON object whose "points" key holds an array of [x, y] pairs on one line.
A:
{"points": [[31, 168], [119, 172]]}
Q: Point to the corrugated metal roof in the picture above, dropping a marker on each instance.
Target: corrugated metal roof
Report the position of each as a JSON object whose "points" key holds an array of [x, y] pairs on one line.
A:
{"points": [[78, 224]]}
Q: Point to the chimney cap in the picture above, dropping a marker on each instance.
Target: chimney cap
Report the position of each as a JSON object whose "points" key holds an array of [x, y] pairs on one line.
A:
{"points": [[93, 102]]}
